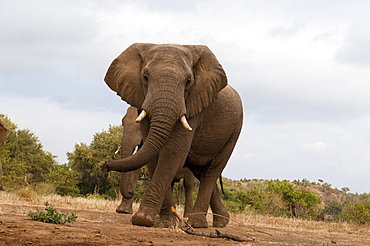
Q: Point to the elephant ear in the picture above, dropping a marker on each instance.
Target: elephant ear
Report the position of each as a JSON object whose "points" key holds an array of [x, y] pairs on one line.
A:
{"points": [[3, 130], [209, 79], [123, 75]]}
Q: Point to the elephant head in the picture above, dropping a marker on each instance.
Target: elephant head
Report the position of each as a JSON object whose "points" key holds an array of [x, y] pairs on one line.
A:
{"points": [[3, 130], [132, 137], [166, 82]]}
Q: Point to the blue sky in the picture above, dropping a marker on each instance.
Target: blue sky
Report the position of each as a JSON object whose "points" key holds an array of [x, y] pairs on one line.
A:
{"points": [[301, 67]]}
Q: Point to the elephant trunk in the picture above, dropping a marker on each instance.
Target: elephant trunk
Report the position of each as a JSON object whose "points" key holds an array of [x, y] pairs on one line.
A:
{"points": [[128, 183], [128, 180], [163, 116]]}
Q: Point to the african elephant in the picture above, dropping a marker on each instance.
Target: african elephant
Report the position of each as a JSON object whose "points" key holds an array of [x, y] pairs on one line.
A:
{"points": [[3, 135], [189, 115], [132, 139]]}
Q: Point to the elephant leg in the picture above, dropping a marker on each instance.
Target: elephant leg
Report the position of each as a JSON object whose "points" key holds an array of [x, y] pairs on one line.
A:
{"points": [[189, 180], [220, 215], [156, 192], [208, 177], [197, 218], [166, 216], [126, 206], [170, 160]]}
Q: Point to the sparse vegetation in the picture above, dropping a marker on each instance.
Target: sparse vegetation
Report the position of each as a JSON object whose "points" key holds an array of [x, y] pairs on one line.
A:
{"points": [[297, 199], [50, 215], [356, 212], [278, 198]]}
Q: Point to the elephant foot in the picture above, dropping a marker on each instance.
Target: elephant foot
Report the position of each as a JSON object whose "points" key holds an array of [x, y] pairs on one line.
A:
{"points": [[167, 221], [198, 221], [122, 209], [221, 220], [142, 219]]}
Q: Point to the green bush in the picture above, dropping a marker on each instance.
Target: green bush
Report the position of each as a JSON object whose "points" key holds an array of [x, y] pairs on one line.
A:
{"points": [[333, 209], [43, 188], [52, 216], [356, 212], [266, 199], [96, 196], [235, 200], [282, 198], [232, 206]]}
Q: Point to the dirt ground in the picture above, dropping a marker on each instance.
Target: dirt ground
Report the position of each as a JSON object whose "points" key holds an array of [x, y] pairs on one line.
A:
{"points": [[110, 228]]}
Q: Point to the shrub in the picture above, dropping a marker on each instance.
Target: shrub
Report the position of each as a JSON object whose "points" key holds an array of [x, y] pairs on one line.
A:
{"points": [[282, 198], [235, 200], [232, 206], [52, 216], [43, 188], [356, 212], [265, 199], [25, 193], [333, 209]]}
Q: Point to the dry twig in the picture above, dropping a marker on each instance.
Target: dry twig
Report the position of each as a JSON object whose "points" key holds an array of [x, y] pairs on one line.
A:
{"points": [[190, 230]]}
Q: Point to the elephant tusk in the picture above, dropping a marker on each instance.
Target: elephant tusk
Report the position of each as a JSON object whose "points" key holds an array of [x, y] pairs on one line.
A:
{"points": [[185, 123], [119, 148], [135, 150], [141, 116]]}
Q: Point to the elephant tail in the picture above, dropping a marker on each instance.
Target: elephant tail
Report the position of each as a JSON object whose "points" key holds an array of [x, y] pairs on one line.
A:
{"points": [[222, 186]]}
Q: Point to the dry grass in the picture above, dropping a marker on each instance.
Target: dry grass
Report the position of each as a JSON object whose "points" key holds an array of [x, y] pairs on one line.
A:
{"points": [[30, 198], [297, 225]]}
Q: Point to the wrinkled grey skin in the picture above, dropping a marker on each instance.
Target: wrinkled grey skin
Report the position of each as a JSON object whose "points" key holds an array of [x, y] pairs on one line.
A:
{"points": [[3, 135], [168, 82], [132, 138]]}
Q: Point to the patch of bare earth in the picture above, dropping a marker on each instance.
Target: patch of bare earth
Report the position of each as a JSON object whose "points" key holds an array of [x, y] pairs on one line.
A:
{"points": [[98, 224]]}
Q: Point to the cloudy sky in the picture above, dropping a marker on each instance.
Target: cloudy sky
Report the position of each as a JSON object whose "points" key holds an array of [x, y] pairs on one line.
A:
{"points": [[301, 67]]}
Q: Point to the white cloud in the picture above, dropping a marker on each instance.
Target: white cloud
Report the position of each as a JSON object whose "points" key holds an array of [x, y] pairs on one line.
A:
{"points": [[287, 31], [356, 46], [314, 147]]}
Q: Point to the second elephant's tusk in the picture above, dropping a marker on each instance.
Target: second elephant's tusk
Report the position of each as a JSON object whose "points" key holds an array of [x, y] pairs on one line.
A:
{"points": [[185, 123], [141, 116], [119, 148], [135, 150]]}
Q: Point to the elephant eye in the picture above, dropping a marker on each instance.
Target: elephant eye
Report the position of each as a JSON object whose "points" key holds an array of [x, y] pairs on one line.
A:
{"points": [[188, 83], [145, 78]]}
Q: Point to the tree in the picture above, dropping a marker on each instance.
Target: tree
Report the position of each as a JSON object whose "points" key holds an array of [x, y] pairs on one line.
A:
{"points": [[64, 180], [24, 160], [88, 161]]}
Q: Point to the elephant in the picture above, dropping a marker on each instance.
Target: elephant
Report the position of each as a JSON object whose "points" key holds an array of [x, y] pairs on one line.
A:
{"points": [[190, 117], [3, 135], [132, 139]]}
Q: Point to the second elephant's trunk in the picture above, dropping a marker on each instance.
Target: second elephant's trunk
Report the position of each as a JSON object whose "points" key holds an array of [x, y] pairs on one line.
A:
{"points": [[128, 183]]}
